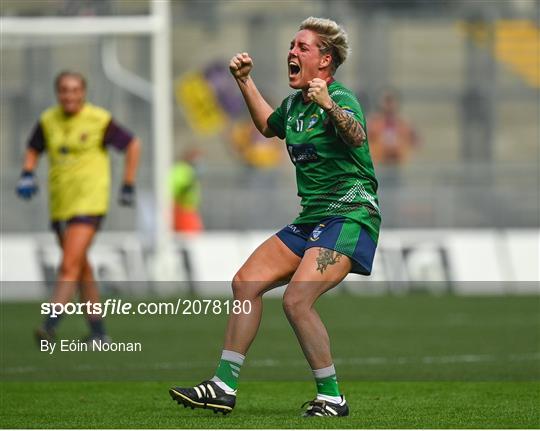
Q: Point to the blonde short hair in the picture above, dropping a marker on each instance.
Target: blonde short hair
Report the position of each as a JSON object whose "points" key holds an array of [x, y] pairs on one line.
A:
{"points": [[334, 39]]}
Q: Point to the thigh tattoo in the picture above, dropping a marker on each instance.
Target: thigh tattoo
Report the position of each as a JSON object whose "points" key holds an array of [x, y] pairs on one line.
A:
{"points": [[327, 257]]}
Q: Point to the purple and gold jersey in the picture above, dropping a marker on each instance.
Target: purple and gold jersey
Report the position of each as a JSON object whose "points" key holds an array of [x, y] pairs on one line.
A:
{"points": [[79, 166], [333, 179]]}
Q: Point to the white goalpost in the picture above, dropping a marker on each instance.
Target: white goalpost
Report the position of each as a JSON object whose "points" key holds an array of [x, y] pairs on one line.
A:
{"points": [[157, 26]]}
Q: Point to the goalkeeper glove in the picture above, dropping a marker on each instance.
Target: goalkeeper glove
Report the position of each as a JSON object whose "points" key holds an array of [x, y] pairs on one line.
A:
{"points": [[27, 185], [127, 195]]}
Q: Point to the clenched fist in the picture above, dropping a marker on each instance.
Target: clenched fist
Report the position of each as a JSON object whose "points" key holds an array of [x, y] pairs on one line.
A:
{"points": [[240, 66], [318, 92]]}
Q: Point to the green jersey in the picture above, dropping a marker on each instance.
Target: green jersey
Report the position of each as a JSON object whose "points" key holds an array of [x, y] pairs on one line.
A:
{"points": [[333, 178]]}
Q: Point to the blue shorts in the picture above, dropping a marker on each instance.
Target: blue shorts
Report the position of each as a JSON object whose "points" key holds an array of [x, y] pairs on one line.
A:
{"points": [[340, 234]]}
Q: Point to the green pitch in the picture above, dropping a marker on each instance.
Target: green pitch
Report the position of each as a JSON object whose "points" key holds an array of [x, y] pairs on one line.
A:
{"points": [[403, 362], [273, 405]]}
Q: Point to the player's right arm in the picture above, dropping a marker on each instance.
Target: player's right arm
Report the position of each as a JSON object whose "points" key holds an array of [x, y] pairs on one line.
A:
{"points": [[31, 159], [27, 185], [259, 109]]}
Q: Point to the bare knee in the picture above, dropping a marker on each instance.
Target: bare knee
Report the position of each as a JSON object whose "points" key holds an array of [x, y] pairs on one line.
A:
{"points": [[295, 306], [70, 269], [240, 285], [246, 286]]}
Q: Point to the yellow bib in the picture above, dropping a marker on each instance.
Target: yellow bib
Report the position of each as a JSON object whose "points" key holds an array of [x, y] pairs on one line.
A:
{"points": [[79, 166]]}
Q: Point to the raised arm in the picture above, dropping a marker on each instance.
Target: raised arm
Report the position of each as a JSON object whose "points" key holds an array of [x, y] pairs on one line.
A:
{"points": [[259, 109], [350, 130]]}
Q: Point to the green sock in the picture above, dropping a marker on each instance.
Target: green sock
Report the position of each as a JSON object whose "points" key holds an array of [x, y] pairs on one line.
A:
{"points": [[326, 381], [228, 369]]}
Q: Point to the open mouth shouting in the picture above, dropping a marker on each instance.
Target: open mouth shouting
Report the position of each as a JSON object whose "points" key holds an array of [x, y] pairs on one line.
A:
{"points": [[294, 70]]}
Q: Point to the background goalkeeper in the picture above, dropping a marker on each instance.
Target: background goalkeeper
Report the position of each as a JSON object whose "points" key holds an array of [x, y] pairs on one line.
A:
{"points": [[76, 136]]}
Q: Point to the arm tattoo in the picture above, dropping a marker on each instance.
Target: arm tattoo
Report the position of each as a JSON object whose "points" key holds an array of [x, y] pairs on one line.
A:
{"points": [[348, 128], [327, 257]]}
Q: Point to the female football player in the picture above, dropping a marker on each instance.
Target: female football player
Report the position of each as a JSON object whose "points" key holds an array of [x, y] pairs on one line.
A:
{"points": [[76, 136], [335, 233]]}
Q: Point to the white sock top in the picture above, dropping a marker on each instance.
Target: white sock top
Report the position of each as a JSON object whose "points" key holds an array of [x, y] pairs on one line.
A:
{"points": [[231, 356], [321, 373]]}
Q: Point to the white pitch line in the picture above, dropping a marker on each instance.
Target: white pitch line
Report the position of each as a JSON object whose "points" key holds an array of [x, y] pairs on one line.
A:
{"points": [[274, 363]]}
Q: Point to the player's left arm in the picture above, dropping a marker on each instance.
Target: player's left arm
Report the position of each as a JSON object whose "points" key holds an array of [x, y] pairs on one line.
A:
{"points": [[133, 155], [123, 140], [349, 128], [127, 191]]}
